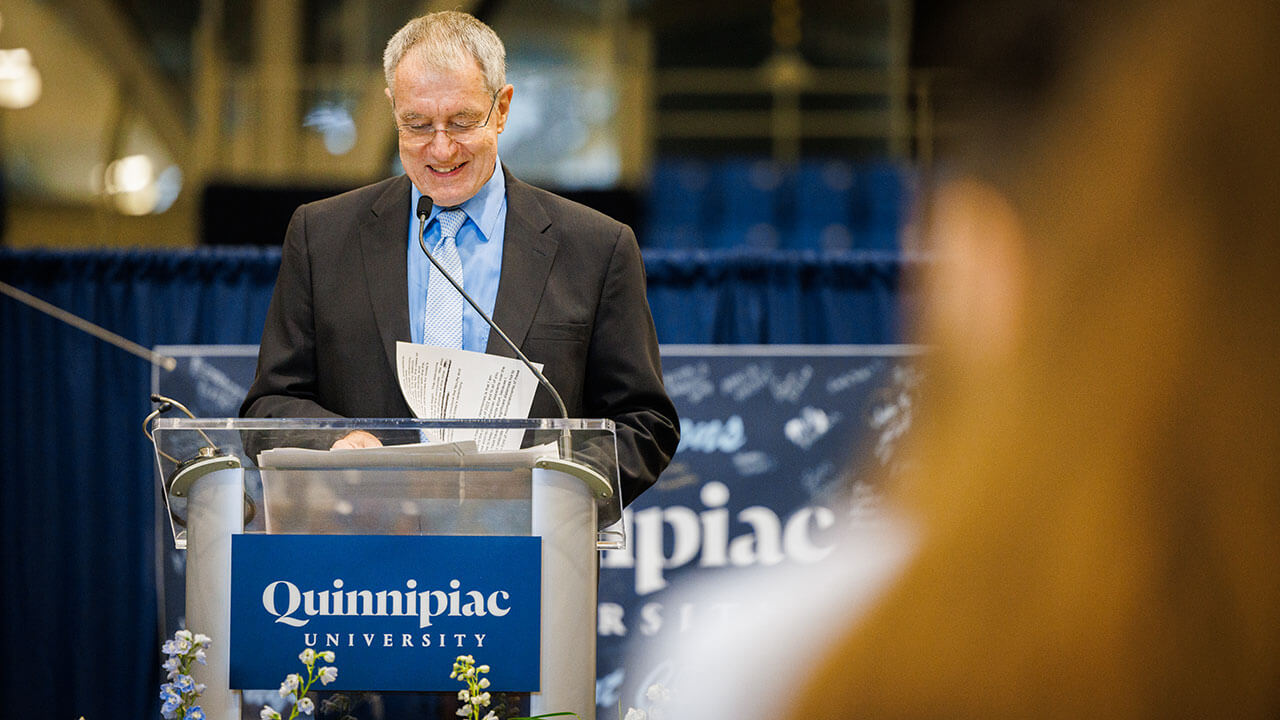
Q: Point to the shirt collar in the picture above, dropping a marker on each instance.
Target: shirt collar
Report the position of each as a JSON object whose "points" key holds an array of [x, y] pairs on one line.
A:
{"points": [[483, 208]]}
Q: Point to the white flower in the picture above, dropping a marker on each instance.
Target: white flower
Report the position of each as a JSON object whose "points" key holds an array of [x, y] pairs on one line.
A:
{"points": [[464, 711], [308, 656], [635, 714], [491, 715], [327, 656], [269, 713], [306, 706], [328, 674], [657, 693], [484, 683], [290, 685], [201, 656], [464, 695], [483, 669], [202, 640]]}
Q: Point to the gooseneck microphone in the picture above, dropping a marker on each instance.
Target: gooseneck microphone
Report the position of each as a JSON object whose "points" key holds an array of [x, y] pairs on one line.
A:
{"points": [[566, 441]]}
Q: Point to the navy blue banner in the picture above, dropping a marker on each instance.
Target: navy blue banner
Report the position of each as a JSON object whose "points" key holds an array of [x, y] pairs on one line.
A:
{"points": [[396, 610], [780, 448]]}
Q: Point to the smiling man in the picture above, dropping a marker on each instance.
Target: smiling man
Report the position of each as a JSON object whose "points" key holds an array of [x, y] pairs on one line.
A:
{"points": [[565, 282]]}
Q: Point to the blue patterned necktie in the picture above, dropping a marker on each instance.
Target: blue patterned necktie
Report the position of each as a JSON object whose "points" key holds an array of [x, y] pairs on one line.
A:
{"points": [[442, 320]]}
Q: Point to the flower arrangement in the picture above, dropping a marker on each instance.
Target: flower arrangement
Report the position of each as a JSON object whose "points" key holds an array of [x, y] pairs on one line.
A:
{"points": [[295, 687], [474, 696], [179, 694]]}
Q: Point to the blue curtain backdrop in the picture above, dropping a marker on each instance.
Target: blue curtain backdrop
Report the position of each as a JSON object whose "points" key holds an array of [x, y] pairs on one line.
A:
{"points": [[78, 611]]}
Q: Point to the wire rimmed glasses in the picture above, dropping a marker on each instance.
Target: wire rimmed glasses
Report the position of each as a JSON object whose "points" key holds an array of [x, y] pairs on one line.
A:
{"points": [[458, 130]]}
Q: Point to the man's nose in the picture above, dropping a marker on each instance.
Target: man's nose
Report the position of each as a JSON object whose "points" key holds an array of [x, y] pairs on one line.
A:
{"points": [[441, 144]]}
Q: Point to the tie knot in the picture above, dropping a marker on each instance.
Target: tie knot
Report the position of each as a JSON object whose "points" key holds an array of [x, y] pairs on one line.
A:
{"points": [[450, 222]]}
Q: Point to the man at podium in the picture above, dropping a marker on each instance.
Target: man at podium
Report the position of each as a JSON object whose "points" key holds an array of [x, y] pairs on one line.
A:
{"points": [[564, 282]]}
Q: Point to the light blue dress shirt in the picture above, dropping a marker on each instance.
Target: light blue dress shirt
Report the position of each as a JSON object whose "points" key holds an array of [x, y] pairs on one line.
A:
{"points": [[480, 247]]}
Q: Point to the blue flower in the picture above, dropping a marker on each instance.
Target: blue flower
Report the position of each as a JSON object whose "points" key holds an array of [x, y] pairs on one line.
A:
{"points": [[184, 684], [194, 713], [169, 648], [171, 703]]}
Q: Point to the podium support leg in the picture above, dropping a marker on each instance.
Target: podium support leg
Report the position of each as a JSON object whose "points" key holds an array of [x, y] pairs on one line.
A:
{"points": [[564, 515], [215, 512]]}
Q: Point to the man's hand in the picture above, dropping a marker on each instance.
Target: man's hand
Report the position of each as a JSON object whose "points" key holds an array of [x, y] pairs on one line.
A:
{"points": [[356, 439]]}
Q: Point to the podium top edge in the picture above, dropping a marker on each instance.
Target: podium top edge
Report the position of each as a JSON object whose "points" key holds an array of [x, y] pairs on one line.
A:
{"points": [[180, 423]]}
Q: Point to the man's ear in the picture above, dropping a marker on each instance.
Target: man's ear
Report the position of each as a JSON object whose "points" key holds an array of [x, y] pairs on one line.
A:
{"points": [[976, 291], [504, 105]]}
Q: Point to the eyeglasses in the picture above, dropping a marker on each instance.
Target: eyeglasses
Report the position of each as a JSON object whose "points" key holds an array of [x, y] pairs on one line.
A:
{"points": [[459, 131]]}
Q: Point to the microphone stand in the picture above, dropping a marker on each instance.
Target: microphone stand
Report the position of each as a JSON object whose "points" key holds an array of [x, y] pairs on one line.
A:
{"points": [[566, 440]]}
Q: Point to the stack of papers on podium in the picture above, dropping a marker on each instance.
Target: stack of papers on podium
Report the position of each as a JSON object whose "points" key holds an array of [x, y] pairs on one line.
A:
{"points": [[450, 454]]}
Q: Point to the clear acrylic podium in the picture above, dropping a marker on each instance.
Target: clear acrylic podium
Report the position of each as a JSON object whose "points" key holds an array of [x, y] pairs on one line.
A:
{"points": [[560, 482]]}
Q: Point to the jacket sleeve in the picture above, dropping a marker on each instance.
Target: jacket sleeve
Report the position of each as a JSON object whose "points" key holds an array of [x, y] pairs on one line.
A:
{"points": [[624, 372], [286, 381]]}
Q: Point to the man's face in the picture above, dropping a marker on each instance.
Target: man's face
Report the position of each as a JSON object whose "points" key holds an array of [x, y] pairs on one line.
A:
{"points": [[448, 170]]}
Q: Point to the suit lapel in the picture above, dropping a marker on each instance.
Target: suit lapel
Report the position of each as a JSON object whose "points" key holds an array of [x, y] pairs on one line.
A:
{"points": [[386, 269], [528, 249]]}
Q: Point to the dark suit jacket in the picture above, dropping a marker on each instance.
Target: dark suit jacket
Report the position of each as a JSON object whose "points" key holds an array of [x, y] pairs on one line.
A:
{"points": [[571, 294]]}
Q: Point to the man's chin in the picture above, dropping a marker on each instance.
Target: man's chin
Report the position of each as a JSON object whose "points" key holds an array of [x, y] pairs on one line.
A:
{"points": [[446, 195]]}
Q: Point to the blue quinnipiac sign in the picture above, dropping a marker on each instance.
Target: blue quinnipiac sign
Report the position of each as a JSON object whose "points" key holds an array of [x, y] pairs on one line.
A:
{"points": [[396, 610]]}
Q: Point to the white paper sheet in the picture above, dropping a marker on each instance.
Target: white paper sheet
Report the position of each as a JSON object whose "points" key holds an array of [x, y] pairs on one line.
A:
{"points": [[445, 383], [453, 454]]}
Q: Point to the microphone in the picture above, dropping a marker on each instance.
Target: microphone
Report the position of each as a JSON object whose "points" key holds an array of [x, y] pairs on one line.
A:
{"points": [[207, 459], [566, 441]]}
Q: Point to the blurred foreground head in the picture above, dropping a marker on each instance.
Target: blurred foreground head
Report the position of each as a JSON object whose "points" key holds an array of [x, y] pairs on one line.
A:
{"points": [[1098, 496]]}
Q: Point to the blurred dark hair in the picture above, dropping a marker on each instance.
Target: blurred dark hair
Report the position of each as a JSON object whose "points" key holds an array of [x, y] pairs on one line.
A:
{"points": [[1096, 502], [995, 66]]}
